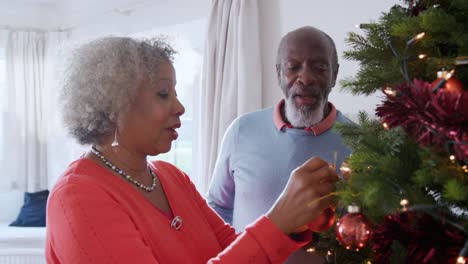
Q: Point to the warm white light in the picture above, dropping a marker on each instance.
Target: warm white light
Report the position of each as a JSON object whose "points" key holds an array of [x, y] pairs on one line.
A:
{"points": [[415, 39], [461, 260], [385, 125], [422, 56], [449, 75], [311, 249], [404, 202], [420, 35], [345, 169], [389, 91]]}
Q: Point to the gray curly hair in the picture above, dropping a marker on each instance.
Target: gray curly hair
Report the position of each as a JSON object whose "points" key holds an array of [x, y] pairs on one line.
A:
{"points": [[101, 80]]}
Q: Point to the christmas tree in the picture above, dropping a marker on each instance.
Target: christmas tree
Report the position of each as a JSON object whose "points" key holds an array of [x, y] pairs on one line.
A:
{"points": [[407, 179]]}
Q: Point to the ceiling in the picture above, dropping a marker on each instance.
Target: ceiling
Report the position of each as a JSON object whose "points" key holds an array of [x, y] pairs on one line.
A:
{"points": [[65, 13]]}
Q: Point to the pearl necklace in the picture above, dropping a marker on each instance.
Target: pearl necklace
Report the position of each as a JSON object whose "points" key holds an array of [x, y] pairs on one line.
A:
{"points": [[125, 175]]}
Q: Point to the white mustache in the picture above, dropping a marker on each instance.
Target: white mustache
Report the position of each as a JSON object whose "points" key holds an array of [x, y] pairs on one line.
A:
{"points": [[304, 91]]}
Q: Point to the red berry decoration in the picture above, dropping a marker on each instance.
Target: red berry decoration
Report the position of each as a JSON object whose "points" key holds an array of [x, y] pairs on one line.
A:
{"points": [[353, 230]]}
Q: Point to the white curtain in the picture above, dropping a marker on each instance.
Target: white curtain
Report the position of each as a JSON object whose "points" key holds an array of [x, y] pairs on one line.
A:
{"points": [[27, 111], [231, 78]]}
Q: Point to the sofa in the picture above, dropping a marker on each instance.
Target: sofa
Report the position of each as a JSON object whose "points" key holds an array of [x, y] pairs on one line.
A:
{"points": [[18, 245]]}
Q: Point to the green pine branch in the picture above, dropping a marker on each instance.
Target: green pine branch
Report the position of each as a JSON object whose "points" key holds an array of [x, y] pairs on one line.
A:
{"points": [[386, 165], [380, 50]]}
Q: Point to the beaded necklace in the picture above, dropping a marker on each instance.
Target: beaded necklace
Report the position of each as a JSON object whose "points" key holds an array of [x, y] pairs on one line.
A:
{"points": [[125, 175]]}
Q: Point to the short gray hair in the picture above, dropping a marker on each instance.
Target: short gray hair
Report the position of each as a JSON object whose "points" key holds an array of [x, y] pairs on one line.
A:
{"points": [[101, 80], [332, 44]]}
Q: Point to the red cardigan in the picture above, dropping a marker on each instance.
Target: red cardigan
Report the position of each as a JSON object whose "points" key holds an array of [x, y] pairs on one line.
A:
{"points": [[94, 216]]}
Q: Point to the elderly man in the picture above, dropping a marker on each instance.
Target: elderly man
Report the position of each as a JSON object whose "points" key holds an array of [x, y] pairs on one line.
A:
{"points": [[261, 148]]}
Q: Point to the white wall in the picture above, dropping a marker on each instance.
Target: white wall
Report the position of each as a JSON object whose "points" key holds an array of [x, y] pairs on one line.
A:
{"points": [[31, 14], [89, 19], [143, 18], [337, 18]]}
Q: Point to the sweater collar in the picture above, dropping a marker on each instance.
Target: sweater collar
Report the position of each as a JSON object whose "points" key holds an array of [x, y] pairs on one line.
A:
{"points": [[317, 129]]}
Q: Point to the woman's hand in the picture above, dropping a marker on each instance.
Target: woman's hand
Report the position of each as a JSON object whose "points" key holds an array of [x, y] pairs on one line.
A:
{"points": [[305, 196]]}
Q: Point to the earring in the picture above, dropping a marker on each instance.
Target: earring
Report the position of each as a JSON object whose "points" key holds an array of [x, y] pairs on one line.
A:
{"points": [[115, 142]]}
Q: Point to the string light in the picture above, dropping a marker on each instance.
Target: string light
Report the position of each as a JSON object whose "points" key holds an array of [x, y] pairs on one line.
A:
{"points": [[329, 256], [463, 255], [461, 260], [389, 91], [443, 81], [404, 203], [452, 158], [345, 170], [311, 249], [404, 66], [415, 39], [385, 125], [422, 56], [465, 168]]}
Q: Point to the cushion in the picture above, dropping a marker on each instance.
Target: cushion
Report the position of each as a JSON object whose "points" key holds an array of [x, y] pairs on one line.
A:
{"points": [[33, 211]]}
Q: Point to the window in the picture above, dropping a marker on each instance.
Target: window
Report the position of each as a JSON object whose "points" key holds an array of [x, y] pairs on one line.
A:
{"points": [[3, 97], [188, 39]]}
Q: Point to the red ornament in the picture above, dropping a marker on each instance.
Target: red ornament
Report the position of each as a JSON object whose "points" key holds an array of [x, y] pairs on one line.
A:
{"points": [[324, 221], [353, 230], [451, 85]]}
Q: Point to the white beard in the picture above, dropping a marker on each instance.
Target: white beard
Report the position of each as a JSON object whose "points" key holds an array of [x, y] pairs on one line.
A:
{"points": [[303, 116]]}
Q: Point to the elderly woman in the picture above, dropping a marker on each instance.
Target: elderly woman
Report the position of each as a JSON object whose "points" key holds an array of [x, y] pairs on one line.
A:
{"points": [[112, 206]]}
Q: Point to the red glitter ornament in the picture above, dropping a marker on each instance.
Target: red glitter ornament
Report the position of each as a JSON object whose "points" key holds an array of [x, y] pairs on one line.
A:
{"points": [[451, 85], [353, 230]]}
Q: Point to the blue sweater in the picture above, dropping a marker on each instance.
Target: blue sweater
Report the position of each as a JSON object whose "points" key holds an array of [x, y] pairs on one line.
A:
{"points": [[255, 162]]}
